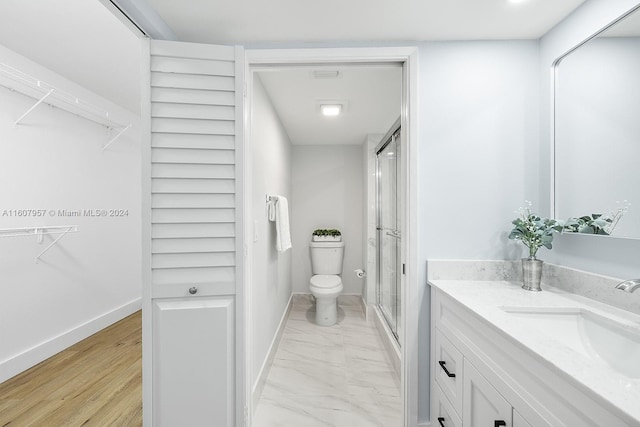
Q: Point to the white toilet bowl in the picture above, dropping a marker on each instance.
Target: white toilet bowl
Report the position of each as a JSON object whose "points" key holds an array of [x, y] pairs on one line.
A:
{"points": [[326, 288]]}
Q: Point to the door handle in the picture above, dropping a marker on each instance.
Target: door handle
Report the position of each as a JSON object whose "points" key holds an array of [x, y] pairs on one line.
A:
{"points": [[393, 233], [499, 423], [441, 421], [446, 371]]}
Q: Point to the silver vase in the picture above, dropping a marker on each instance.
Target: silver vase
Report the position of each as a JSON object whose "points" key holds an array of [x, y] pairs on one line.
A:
{"points": [[531, 274]]}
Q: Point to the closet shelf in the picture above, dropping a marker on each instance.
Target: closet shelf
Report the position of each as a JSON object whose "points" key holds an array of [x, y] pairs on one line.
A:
{"points": [[45, 93], [39, 232]]}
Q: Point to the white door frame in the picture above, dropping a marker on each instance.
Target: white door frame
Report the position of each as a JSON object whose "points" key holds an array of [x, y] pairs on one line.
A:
{"points": [[408, 56]]}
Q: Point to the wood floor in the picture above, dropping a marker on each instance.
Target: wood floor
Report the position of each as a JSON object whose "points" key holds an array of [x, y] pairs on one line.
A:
{"points": [[97, 382]]}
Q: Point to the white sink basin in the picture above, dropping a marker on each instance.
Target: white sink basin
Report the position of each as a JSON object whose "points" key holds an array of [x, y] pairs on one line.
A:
{"points": [[597, 337]]}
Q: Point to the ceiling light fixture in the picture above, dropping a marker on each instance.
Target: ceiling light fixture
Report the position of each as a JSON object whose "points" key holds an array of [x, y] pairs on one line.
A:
{"points": [[331, 109]]}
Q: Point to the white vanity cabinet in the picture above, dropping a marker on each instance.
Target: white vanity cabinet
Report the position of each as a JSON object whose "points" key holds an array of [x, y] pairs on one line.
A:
{"points": [[482, 377], [448, 372], [482, 404], [461, 392], [442, 411]]}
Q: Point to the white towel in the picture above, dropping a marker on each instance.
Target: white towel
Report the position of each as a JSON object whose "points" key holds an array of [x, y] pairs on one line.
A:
{"points": [[278, 210]]}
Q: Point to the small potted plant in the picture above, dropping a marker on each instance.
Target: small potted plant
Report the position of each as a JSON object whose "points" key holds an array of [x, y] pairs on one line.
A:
{"points": [[534, 232], [326, 235]]}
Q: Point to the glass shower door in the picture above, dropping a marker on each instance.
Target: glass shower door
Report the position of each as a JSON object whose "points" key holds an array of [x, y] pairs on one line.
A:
{"points": [[389, 271]]}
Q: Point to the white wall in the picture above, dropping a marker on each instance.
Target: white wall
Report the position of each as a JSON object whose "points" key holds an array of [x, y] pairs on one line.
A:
{"points": [[54, 161], [478, 156], [602, 255], [271, 271], [327, 192], [478, 145]]}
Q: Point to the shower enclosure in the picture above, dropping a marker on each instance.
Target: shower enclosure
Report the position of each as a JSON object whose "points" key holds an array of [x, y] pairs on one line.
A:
{"points": [[388, 229]]}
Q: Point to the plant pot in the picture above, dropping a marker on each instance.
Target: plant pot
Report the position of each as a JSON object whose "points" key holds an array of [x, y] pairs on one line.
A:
{"points": [[531, 274], [327, 238]]}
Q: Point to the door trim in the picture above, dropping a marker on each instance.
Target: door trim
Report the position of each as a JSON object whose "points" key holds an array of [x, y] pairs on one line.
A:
{"points": [[408, 56], [242, 328]]}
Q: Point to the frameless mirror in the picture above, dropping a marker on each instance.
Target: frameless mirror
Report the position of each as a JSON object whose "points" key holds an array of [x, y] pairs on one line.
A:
{"points": [[597, 130]]}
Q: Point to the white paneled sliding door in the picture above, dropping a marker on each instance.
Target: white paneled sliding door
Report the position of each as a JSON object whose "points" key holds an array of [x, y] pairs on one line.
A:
{"points": [[192, 263]]}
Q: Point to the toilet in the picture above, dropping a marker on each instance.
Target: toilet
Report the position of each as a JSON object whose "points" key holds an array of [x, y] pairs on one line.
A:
{"points": [[326, 284]]}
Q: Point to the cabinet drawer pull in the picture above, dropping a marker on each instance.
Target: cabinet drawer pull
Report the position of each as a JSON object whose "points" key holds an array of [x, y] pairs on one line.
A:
{"points": [[193, 290], [441, 421], [446, 371], [499, 423]]}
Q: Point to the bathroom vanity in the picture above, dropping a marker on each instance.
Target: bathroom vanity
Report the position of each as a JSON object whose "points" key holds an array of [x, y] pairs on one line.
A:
{"points": [[502, 356]]}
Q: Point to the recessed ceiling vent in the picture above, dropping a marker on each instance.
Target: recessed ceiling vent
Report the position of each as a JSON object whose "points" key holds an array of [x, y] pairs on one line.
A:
{"points": [[326, 74]]}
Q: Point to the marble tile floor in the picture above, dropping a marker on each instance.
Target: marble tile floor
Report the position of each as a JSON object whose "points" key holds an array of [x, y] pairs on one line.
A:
{"points": [[337, 376]]}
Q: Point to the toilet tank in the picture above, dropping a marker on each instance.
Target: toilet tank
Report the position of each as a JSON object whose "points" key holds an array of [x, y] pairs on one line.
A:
{"points": [[326, 257]]}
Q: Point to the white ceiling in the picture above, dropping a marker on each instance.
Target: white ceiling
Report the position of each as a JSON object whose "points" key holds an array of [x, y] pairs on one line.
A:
{"points": [[260, 21], [84, 42], [78, 39], [372, 95]]}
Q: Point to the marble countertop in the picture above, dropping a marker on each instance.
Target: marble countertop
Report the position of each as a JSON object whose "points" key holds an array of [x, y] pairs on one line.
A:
{"points": [[486, 299]]}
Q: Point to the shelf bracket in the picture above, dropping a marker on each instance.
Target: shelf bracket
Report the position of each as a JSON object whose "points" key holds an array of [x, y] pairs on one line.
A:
{"points": [[64, 233], [46, 95], [39, 235], [114, 139]]}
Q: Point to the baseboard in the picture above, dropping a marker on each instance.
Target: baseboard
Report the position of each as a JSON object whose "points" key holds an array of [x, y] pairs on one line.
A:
{"points": [[268, 361], [365, 308], [31, 357]]}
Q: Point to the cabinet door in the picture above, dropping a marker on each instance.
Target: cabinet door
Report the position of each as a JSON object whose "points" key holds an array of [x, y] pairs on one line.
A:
{"points": [[518, 420], [448, 370], [443, 413], [193, 362], [482, 405]]}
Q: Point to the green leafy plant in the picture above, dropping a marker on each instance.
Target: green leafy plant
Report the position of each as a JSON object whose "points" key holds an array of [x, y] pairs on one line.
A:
{"points": [[533, 231], [588, 224], [327, 232], [596, 223]]}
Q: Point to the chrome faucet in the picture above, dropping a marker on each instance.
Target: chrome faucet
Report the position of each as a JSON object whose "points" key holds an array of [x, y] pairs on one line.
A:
{"points": [[629, 285]]}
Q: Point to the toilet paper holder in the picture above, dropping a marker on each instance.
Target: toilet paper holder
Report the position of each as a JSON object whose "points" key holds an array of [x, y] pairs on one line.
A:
{"points": [[360, 273]]}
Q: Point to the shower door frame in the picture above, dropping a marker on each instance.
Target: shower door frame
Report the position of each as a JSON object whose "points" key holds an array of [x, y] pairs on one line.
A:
{"points": [[411, 291], [395, 325]]}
